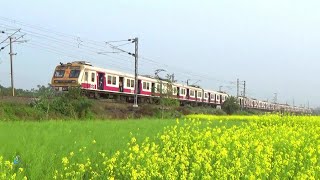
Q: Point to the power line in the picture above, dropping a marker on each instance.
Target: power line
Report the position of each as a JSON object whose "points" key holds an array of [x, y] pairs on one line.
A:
{"points": [[93, 47], [95, 42]]}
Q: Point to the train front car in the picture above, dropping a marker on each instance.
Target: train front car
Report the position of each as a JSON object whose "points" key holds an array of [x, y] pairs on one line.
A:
{"points": [[66, 76]]}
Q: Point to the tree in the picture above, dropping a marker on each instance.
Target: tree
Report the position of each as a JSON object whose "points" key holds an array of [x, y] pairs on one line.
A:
{"points": [[231, 105], [168, 94]]}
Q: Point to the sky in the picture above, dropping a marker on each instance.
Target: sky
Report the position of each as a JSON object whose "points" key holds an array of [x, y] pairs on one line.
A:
{"points": [[272, 45]]}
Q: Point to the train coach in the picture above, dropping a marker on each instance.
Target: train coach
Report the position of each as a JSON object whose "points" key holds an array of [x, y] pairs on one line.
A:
{"points": [[99, 82]]}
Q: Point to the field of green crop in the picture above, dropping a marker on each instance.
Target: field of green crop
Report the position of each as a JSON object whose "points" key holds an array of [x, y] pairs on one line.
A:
{"points": [[197, 147]]}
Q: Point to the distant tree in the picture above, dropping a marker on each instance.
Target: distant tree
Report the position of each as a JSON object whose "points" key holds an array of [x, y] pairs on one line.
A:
{"points": [[231, 105], [7, 91], [167, 94]]}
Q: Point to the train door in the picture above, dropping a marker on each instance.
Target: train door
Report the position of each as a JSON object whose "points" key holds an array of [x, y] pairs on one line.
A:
{"points": [[188, 94], [153, 88], [221, 99], [139, 87], [178, 91], [215, 98], [121, 84], [196, 95], [100, 81]]}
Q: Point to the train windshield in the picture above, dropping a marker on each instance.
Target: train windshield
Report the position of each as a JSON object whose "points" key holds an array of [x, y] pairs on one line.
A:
{"points": [[74, 73], [59, 73]]}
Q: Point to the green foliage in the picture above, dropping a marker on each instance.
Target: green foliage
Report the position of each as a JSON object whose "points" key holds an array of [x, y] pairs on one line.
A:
{"points": [[7, 91], [41, 145], [71, 103], [231, 105], [168, 98], [16, 111]]}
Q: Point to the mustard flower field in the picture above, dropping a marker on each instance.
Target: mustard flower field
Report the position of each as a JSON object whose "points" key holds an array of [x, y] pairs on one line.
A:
{"points": [[197, 147]]}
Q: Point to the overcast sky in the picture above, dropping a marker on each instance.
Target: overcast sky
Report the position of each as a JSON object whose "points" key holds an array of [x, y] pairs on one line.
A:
{"points": [[273, 45]]}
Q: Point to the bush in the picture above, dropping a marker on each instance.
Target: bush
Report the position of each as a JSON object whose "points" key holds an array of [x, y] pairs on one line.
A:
{"points": [[231, 105], [71, 103]]}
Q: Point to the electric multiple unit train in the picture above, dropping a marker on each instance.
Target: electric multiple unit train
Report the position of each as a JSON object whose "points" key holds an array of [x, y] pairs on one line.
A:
{"points": [[100, 82]]}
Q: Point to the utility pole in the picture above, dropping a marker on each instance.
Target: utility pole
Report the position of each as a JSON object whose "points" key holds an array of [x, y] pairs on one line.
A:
{"points": [[293, 102], [244, 89], [135, 55], [11, 67], [135, 104], [237, 87], [188, 82], [11, 41], [275, 99]]}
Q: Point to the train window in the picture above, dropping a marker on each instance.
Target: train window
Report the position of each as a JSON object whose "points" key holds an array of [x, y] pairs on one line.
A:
{"points": [[174, 90], [114, 80], [109, 79], [191, 92], [212, 96], [74, 74], [199, 94], [93, 77], [59, 73], [130, 83], [206, 95], [86, 76], [218, 98], [183, 91], [146, 86]]}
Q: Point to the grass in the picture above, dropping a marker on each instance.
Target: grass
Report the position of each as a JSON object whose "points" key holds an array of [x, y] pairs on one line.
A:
{"points": [[42, 144]]}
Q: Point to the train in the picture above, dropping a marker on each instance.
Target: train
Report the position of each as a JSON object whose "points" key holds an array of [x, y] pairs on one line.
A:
{"points": [[107, 83]]}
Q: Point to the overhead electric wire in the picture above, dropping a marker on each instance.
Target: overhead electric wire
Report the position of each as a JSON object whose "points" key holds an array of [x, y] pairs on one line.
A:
{"points": [[55, 51], [83, 55], [75, 48], [95, 42], [102, 45]]}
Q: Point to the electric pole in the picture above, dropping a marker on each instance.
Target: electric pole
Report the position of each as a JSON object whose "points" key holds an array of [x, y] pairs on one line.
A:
{"points": [[244, 89], [275, 99], [135, 104], [135, 55], [11, 57], [11, 41], [237, 88], [293, 102]]}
